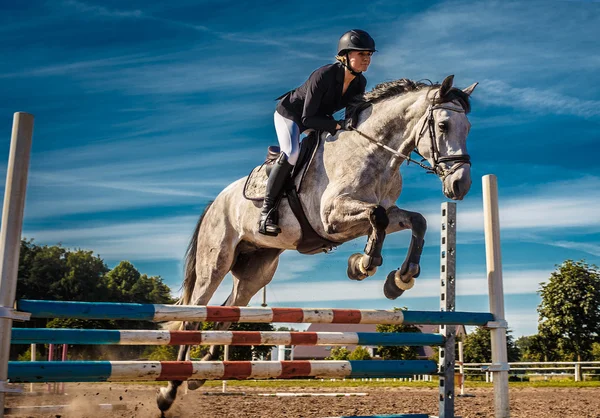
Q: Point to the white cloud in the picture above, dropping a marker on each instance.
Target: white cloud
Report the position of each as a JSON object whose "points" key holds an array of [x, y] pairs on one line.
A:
{"points": [[519, 282], [537, 100], [155, 239], [497, 44], [587, 247], [102, 11]]}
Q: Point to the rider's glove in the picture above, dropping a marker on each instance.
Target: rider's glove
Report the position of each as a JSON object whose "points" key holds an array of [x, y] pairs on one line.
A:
{"points": [[347, 124]]}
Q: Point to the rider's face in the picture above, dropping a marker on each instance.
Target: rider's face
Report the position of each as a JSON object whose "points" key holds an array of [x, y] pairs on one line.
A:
{"points": [[360, 60]]}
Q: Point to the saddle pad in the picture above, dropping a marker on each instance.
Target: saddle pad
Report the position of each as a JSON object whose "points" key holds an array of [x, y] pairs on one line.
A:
{"points": [[256, 183]]}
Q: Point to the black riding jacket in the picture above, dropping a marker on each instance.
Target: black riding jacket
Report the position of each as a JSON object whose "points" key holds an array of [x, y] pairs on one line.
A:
{"points": [[312, 104]]}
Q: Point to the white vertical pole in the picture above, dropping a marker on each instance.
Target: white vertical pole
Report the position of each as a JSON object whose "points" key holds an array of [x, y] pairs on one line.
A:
{"points": [[10, 233], [33, 358], [493, 257], [225, 358], [281, 353], [461, 363]]}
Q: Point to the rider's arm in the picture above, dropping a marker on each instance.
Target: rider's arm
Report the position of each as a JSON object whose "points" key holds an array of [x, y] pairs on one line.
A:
{"points": [[318, 83]]}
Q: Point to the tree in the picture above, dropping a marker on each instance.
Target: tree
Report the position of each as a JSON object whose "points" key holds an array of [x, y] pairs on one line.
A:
{"points": [[339, 353], [398, 353], [478, 346], [127, 284], [570, 309], [596, 352], [537, 348], [55, 273], [360, 353]]}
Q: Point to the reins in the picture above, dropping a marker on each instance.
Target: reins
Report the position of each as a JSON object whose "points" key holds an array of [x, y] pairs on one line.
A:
{"points": [[437, 168]]}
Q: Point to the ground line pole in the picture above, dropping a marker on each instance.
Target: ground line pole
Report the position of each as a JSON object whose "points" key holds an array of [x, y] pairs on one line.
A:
{"points": [[493, 256], [10, 235]]}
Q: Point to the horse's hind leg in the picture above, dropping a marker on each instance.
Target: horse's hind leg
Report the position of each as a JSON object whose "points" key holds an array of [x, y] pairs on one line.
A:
{"points": [[251, 272], [213, 262]]}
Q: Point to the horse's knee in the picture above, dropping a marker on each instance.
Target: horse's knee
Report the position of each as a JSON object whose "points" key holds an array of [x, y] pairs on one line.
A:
{"points": [[379, 218], [419, 224]]}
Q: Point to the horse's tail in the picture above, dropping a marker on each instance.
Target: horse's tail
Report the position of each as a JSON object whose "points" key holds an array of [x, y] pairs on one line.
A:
{"points": [[190, 263]]}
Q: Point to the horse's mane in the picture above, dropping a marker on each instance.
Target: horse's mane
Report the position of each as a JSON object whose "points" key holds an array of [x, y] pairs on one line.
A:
{"points": [[394, 88]]}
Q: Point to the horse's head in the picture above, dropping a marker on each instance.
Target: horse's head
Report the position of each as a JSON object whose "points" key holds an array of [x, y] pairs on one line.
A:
{"points": [[442, 137]]}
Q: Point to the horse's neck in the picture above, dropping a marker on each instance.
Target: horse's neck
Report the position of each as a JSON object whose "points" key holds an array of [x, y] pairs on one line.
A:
{"points": [[395, 122]]}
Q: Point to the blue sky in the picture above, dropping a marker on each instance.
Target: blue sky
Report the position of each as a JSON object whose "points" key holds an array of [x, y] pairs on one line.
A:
{"points": [[145, 110]]}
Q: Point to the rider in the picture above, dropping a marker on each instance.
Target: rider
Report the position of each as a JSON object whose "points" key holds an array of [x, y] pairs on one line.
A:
{"points": [[310, 107]]}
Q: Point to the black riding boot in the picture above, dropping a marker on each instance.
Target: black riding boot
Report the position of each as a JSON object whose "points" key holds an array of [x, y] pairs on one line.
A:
{"points": [[269, 217]]}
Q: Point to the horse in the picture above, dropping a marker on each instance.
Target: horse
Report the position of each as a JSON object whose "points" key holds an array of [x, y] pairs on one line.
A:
{"points": [[349, 190]]}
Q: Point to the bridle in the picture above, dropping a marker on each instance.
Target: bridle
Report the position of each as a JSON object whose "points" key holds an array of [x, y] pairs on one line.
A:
{"points": [[453, 161]]}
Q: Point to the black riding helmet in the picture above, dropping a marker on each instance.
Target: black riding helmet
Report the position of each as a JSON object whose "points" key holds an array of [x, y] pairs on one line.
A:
{"points": [[355, 40]]}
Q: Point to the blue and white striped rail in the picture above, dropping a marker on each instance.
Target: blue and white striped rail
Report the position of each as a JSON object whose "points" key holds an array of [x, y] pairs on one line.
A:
{"points": [[164, 337], [134, 371], [157, 313]]}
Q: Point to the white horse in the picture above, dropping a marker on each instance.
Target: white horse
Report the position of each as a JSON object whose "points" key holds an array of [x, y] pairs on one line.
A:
{"points": [[349, 190]]}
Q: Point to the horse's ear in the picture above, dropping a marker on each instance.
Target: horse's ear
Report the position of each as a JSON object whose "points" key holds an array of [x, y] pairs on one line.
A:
{"points": [[446, 85], [470, 89]]}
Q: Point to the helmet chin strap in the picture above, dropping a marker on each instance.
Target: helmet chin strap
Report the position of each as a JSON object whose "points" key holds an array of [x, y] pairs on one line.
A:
{"points": [[347, 65]]}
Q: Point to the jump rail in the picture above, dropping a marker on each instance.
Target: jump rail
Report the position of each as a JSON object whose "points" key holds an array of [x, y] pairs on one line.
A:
{"points": [[164, 337], [133, 371], [159, 313]]}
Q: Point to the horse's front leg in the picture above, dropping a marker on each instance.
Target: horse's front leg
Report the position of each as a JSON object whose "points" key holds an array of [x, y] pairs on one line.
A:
{"points": [[355, 217], [404, 278]]}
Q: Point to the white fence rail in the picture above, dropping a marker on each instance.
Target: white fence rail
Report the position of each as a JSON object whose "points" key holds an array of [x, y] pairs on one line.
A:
{"points": [[574, 368]]}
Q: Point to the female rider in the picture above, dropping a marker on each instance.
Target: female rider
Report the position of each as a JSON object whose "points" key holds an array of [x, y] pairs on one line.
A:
{"points": [[310, 107]]}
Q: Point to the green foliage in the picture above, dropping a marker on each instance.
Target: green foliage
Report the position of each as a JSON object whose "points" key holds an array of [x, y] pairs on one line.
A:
{"points": [[536, 348], [478, 348], [360, 353], [339, 353], [57, 273], [25, 356], [596, 352], [570, 310], [126, 284], [161, 353], [398, 353]]}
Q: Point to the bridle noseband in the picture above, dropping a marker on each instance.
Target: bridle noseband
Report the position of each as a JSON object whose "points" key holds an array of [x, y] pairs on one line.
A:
{"points": [[454, 161]]}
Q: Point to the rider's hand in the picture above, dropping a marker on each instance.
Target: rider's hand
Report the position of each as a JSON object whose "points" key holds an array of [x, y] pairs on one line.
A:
{"points": [[346, 124]]}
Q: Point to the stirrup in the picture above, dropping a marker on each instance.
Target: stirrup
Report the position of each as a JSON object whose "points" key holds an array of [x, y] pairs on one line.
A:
{"points": [[267, 225]]}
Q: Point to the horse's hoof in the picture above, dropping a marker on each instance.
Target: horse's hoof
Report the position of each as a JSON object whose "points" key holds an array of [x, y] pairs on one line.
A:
{"points": [[390, 289], [404, 282], [164, 400], [195, 384], [354, 267]]}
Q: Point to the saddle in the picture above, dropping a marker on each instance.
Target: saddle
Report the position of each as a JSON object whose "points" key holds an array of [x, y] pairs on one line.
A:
{"points": [[256, 185]]}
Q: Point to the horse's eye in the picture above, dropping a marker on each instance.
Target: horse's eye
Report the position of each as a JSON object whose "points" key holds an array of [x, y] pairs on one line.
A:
{"points": [[443, 126]]}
